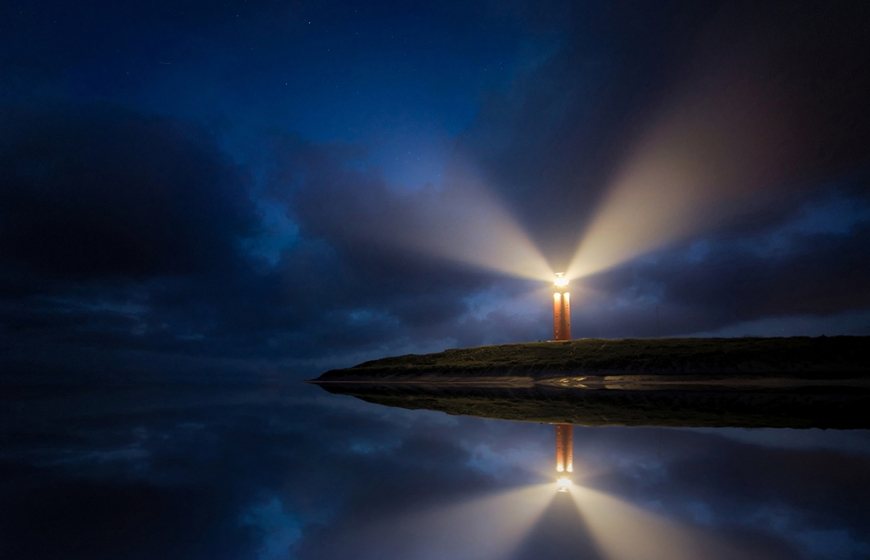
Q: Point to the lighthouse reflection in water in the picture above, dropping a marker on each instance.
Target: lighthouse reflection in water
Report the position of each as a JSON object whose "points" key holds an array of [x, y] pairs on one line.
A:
{"points": [[564, 456]]}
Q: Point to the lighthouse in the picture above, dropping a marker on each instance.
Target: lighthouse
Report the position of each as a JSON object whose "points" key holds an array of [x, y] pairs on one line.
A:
{"points": [[561, 308], [564, 432], [564, 456]]}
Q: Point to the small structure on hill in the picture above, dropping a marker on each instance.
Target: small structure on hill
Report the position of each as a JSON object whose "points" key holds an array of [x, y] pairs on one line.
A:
{"points": [[564, 455], [561, 308]]}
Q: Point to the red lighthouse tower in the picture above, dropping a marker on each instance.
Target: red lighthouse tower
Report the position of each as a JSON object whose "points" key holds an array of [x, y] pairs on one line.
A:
{"points": [[564, 432], [564, 456], [564, 448], [561, 308]]}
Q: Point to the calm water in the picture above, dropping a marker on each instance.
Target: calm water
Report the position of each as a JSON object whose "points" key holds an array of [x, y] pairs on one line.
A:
{"points": [[287, 471]]}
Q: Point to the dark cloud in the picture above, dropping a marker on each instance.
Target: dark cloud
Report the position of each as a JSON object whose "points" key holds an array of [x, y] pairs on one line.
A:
{"points": [[118, 230], [101, 193], [731, 278], [820, 271], [103, 520], [124, 232]]}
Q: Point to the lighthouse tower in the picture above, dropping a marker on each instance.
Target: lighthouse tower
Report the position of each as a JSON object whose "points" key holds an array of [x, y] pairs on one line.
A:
{"points": [[564, 448], [564, 432], [564, 456], [561, 308]]}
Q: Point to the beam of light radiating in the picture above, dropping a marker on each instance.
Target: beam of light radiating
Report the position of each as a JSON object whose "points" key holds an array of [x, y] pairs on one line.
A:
{"points": [[461, 221], [560, 532], [483, 528], [624, 531], [720, 150], [468, 224]]}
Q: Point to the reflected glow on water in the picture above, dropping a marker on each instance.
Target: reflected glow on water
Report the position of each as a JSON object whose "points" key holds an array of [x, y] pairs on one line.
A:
{"points": [[564, 514], [488, 527], [624, 531], [213, 472]]}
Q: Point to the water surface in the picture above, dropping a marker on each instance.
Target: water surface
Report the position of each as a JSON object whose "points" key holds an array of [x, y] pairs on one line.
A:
{"points": [[273, 470]]}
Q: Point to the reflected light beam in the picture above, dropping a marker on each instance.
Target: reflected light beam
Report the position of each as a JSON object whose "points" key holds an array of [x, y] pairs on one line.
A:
{"points": [[485, 528], [624, 531]]}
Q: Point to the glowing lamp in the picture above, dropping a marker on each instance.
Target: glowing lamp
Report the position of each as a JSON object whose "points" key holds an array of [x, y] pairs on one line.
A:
{"points": [[561, 308], [563, 484]]}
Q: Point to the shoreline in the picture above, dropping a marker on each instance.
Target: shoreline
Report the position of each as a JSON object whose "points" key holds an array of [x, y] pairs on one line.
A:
{"points": [[820, 358]]}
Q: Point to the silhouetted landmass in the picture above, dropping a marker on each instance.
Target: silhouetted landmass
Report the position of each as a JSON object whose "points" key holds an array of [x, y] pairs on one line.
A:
{"points": [[804, 407], [802, 357], [749, 382]]}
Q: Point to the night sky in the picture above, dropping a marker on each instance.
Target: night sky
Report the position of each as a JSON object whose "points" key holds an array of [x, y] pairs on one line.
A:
{"points": [[239, 186], [194, 192]]}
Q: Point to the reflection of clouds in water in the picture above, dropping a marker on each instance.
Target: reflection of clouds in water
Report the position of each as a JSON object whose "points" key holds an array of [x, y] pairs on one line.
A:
{"points": [[503, 449], [278, 529], [787, 488], [251, 472], [816, 542], [846, 441]]}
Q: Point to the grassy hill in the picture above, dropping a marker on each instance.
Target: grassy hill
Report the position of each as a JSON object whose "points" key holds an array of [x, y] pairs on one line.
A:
{"points": [[796, 357], [745, 382]]}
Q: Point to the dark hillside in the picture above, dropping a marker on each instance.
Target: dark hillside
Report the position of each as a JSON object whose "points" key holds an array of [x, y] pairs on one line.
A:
{"points": [[796, 357]]}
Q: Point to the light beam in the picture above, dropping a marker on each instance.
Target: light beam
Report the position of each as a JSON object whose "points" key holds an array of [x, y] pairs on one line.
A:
{"points": [[484, 528], [722, 148], [465, 223], [623, 531]]}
